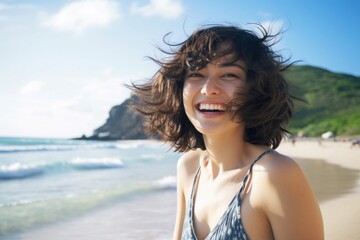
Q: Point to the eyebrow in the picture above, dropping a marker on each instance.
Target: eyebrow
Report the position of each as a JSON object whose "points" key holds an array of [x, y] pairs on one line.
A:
{"points": [[232, 64]]}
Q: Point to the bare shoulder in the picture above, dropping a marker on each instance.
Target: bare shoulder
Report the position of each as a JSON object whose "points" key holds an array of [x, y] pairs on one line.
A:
{"points": [[278, 178], [283, 193], [276, 162], [279, 172], [189, 162], [187, 166]]}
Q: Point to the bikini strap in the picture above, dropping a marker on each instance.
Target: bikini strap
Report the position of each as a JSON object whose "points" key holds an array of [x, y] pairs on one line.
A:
{"points": [[190, 204], [246, 178], [194, 183]]}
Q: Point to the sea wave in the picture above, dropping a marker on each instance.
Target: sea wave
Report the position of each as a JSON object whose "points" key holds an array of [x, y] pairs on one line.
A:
{"points": [[74, 145], [131, 144], [96, 163], [20, 170], [37, 148], [166, 183]]}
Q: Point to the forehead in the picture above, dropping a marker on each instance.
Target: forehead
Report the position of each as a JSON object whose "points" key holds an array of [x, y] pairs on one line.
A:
{"points": [[229, 60], [224, 54]]}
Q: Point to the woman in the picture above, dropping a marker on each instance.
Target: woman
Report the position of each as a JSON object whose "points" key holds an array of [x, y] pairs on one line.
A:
{"points": [[222, 99]]}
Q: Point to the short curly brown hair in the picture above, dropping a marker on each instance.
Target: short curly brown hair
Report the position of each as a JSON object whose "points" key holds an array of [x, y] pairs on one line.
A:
{"points": [[267, 106]]}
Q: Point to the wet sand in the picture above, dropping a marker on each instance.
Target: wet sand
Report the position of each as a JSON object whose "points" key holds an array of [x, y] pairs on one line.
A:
{"points": [[332, 169]]}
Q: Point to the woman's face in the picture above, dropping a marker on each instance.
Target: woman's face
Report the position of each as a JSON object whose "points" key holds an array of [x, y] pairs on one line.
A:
{"points": [[208, 91]]}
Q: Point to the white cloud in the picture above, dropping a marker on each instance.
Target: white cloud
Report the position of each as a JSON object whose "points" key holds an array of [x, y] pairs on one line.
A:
{"points": [[70, 113], [84, 14], [32, 87], [168, 9]]}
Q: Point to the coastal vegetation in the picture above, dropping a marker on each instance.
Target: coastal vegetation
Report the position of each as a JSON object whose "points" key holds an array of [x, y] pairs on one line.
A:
{"points": [[332, 102]]}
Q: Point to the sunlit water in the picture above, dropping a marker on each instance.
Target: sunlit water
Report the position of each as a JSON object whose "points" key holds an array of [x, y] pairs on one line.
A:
{"points": [[47, 180]]}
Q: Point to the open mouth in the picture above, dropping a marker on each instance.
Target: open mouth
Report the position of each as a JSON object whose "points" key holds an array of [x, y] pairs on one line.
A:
{"points": [[209, 107]]}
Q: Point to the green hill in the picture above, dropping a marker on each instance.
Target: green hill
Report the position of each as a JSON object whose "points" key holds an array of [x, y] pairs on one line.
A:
{"points": [[333, 101]]}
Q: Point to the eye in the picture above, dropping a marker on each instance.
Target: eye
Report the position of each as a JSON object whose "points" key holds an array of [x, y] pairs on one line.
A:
{"points": [[194, 75], [230, 76]]}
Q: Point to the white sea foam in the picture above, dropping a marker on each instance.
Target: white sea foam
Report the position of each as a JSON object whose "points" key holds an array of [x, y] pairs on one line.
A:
{"points": [[55, 147], [168, 182], [95, 163], [127, 145], [130, 144], [18, 170], [12, 204]]}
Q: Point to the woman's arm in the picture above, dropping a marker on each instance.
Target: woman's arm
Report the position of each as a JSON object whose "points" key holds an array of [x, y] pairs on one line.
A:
{"points": [[180, 203], [291, 206], [185, 173]]}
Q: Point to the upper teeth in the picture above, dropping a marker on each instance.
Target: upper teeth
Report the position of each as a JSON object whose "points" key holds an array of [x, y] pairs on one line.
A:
{"points": [[204, 106]]}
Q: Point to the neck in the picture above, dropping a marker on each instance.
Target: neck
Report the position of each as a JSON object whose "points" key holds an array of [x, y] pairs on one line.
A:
{"points": [[227, 152]]}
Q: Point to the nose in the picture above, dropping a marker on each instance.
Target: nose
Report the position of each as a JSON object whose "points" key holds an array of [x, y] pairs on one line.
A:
{"points": [[210, 87]]}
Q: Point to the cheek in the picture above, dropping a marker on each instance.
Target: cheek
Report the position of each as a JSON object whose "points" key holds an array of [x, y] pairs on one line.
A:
{"points": [[237, 90], [187, 94], [237, 98], [188, 99], [187, 105]]}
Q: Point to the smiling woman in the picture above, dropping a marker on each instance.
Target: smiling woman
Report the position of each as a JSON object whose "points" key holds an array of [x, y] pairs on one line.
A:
{"points": [[222, 99]]}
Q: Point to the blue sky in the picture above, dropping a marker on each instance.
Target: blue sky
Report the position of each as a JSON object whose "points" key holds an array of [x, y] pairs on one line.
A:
{"points": [[63, 63]]}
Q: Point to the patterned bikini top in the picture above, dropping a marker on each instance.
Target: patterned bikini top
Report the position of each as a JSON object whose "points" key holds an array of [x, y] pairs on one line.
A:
{"points": [[230, 224]]}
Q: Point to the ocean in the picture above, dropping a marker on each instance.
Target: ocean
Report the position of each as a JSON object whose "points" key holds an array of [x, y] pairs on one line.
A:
{"points": [[49, 181]]}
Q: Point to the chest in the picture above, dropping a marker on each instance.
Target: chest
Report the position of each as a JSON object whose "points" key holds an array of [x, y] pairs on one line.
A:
{"points": [[211, 202]]}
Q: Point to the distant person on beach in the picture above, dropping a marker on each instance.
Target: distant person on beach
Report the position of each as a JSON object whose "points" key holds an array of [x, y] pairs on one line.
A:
{"points": [[221, 98], [355, 143]]}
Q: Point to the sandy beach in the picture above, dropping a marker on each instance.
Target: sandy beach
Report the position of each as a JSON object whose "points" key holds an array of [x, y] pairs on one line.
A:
{"points": [[332, 169], [341, 214]]}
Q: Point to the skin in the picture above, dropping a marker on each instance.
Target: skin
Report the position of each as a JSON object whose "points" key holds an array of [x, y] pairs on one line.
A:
{"points": [[277, 204]]}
